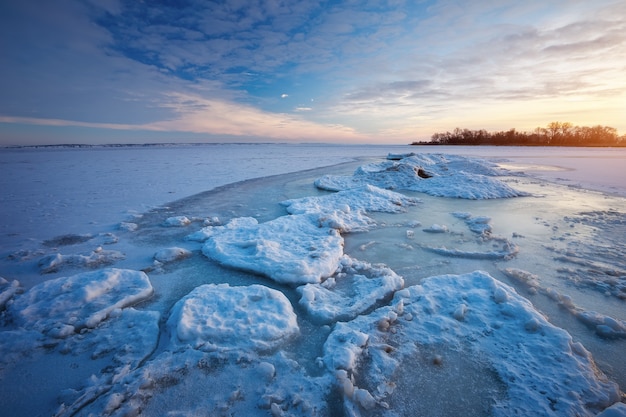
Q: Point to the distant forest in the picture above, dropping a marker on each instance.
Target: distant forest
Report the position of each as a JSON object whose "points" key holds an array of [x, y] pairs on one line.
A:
{"points": [[555, 134]]}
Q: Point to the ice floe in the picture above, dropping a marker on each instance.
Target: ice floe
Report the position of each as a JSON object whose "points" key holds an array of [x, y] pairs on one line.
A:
{"points": [[469, 318], [433, 174], [7, 291], [346, 210], [171, 254], [605, 326], [197, 383], [98, 257], [63, 306], [177, 221], [221, 317], [356, 288], [292, 249]]}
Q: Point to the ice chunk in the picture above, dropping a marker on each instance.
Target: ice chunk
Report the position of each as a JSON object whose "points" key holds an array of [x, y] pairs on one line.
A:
{"points": [[128, 226], [208, 231], [7, 291], [508, 251], [616, 410], [348, 208], [290, 249], [99, 257], [353, 292], [84, 300], [221, 317], [437, 175], [176, 221], [436, 228], [171, 254], [195, 383], [538, 364]]}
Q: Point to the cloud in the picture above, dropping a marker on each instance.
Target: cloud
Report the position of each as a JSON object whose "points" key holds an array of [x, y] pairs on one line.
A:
{"points": [[194, 114], [372, 67]]}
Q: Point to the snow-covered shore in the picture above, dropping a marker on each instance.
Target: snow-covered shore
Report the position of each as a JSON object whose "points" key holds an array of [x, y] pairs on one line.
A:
{"points": [[277, 298]]}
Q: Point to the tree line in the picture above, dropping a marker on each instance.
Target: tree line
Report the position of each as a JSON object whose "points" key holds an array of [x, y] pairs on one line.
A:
{"points": [[555, 134]]}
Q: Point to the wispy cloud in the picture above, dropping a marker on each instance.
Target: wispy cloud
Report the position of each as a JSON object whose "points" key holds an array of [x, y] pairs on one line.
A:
{"points": [[372, 68]]}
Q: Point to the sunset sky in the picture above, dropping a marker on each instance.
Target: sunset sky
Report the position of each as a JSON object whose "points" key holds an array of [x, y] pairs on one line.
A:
{"points": [[108, 71]]}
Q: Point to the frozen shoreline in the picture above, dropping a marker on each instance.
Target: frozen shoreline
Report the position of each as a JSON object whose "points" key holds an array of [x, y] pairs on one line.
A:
{"points": [[418, 235]]}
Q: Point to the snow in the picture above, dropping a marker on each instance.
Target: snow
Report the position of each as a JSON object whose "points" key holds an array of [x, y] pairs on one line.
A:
{"points": [[347, 210], [437, 175], [98, 257], [177, 221], [349, 292], [305, 301], [548, 373], [214, 317], [290, 249], [62, 306], [171, 254]]}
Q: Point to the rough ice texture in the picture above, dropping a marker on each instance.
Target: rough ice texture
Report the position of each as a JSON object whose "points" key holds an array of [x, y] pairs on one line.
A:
{"points": [[357, 287], [176, 221], [97, 258], [448, 176], [7, 291], [171, 254], [605, 326], [194, 383], [545, 373], [62, 306], [290, 249], [220, 317], [208, 231], [346, 210]]}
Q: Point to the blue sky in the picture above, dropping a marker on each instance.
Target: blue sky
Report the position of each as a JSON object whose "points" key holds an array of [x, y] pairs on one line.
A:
{"points": [[110, 71]]}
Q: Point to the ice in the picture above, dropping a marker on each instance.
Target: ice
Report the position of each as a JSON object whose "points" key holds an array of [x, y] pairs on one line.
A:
{"points": [[436, 174], [177, 221], [171, 254], [603, 325], [192, 383], [62, 306], [346, 210], [208, 231], [477, 224], [98, 257], [537, 364], [356, 287], [436, 228], [342, 337], [7, 291], [221, 317], [616, 410], [291, 249]]}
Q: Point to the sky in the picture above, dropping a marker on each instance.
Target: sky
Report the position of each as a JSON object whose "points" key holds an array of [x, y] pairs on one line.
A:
{"points": [[359, 71]]}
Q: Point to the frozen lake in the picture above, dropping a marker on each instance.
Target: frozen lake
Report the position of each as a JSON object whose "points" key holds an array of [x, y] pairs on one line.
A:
{"points": [[218, 280]]}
